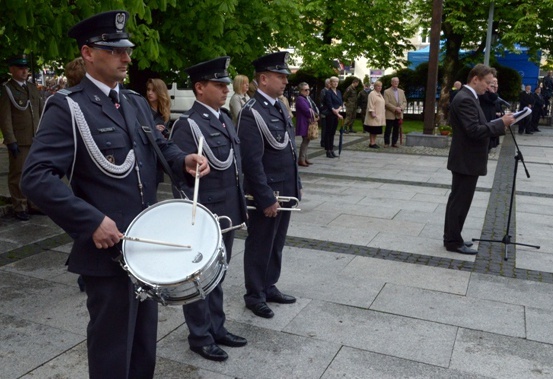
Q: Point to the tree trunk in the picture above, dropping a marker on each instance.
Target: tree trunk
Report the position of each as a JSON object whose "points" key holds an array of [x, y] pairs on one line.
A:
{"points": [[450, 67]]}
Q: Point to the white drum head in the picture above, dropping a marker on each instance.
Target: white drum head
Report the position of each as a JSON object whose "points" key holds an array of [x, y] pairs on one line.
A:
{"points": [[171, 221]]}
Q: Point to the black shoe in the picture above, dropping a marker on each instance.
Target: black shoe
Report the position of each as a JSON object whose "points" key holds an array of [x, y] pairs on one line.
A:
{"points": [[232, 340], [537, 130], [529, 133], [281, 299], [375, 146], [80, 282], [211, 352], [333, 154], [261, 310], [462, 250], [352, 131], [329, 154], [23, 216]]}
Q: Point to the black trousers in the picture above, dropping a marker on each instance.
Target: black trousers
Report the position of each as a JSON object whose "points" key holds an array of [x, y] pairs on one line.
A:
{"points": [[525, 125], [206, 318], [392, 127], [330, 131], [122, 332], [458, 206], [263, 255]]}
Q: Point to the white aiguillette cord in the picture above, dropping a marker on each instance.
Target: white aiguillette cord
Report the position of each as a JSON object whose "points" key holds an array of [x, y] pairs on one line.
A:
{"points": [[197, 181]]}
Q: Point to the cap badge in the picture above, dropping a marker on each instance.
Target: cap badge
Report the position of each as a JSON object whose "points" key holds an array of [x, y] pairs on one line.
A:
{"points": [[96, 98], [120, 22], [286, 57], [227, 63]]}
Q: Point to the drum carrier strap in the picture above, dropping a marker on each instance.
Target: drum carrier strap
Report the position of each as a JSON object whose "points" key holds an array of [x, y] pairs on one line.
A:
{"points": [[148, 131]]}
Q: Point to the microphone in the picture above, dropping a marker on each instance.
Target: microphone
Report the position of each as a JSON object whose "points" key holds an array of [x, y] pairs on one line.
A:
{"points": [[503, 102]]}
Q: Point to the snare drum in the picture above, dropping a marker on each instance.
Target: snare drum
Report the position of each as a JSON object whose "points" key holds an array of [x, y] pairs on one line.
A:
{"points": [[172, 275]]}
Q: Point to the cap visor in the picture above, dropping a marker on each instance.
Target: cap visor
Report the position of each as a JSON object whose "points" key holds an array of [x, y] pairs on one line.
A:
{"points": [[222, 80], [282, 71], [118, 43]]}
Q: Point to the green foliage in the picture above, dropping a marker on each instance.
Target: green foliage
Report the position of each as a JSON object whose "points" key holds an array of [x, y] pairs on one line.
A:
{"points": [[344, 30]]}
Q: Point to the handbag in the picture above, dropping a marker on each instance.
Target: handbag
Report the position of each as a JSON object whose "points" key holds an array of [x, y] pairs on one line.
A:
{"points": [[313, 128]]}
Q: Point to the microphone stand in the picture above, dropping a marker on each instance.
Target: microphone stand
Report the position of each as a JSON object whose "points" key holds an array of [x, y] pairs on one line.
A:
{"points": [[506, 240]]}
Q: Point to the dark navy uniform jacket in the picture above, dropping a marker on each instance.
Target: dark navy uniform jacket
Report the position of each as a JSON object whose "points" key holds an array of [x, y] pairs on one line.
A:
{"points": [[79, 210], [267, 169], [220, 191]]}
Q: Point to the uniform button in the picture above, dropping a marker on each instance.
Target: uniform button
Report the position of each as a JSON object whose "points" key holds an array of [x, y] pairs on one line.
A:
{"points": [[140, 164], [108, 144], [134, 144]]}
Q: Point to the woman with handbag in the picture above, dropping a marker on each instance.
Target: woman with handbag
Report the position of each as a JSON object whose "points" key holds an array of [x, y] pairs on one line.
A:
{"points": [[306, 122]]}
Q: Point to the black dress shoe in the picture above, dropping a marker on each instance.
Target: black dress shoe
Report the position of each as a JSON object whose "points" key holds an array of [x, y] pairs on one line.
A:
{"points": [[463, 250], [23, 216], [232, 340], [333, 154], [211, 352], [529, 133], [261, 310], [281, 299], [329, 154]]}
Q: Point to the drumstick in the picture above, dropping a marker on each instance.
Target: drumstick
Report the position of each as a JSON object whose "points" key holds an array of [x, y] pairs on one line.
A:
{"points": [[154, 242], [197, 181]]}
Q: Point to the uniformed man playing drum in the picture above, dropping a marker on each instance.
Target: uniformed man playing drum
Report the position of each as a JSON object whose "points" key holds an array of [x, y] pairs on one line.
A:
{"points": [[270, 166], [20, 109], [221, 192], [92, 134]]}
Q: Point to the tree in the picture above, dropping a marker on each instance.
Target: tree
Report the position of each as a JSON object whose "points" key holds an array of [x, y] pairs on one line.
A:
{"points": [[525, 22], [379, 30], [195, 31]]}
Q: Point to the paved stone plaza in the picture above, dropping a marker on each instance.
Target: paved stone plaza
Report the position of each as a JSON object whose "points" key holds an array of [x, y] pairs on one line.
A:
{"points": [[378, 295]]}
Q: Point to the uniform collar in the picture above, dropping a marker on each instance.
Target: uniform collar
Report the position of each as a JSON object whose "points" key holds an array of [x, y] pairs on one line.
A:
{"points": [[102, 86], [215, 113], [269, 98]]}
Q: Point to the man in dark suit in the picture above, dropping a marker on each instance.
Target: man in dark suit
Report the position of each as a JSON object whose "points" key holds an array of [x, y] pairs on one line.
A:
{"points": [[525, 99], [20, 109], [92, 134], [537, 110], [270, 167], [468, 155], [221, 192]]}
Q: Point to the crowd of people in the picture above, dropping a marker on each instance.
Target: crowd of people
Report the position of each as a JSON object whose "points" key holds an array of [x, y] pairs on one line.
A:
{"points": [[108, 142]]}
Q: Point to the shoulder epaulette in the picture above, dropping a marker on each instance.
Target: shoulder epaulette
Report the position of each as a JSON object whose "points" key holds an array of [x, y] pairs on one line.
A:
{"points": [[65, 92], [184, 116], [250, 103], [130, 91]]}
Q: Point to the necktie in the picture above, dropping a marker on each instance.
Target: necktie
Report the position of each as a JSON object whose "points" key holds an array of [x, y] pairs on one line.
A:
{"points": [[222, 120], [114, 97], [278, 107]]}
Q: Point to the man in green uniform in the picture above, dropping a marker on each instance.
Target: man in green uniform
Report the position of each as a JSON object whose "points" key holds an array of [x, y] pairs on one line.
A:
{"points": [[350, 99], [20, 109]]}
